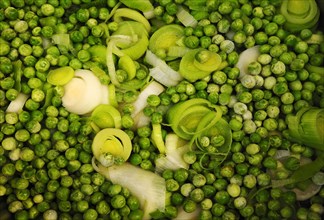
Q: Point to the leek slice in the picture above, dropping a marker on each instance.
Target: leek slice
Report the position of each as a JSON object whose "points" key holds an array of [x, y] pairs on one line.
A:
{"points": [[131, 14], [17, 104], [60, 76], [144, 6], [127, 64], [164, 38], [184, 117], [198, 63], [106, 116], [300, 14], [157, 138], [98, 53], [186, 18], [82, 93], [137, 36], [111, 141], [307, 127]]}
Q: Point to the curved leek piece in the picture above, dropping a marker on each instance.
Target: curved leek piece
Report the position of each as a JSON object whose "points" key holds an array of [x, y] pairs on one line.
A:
{"points": [[147, 186], [153, 88], [198, 63], [184, 117], [144, 6], [307, 127], [60, 76], [300, 14], [164, 38], [17, 104], [111, 146], [126, 63], [82, 93], [131, 14], [106, 116], [175, 148], [157, 138]]}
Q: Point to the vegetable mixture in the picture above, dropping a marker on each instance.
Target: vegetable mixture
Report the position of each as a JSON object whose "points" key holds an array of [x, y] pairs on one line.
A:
{"points": [[161, 109]]}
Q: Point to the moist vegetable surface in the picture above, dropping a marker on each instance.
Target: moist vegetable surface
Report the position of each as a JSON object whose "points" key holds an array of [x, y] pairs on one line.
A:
{"points": [[161, 109]]}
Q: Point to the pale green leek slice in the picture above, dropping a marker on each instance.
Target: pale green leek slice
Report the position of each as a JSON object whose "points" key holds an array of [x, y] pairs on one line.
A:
{"points": [[131, 14], [132, 38], [60, 76], [126, 63], [106, 116], [300, 14], [164, 38], [111, 141], [184, 117], [189, 70], [157, 138], [307, 127], [207, 61]]}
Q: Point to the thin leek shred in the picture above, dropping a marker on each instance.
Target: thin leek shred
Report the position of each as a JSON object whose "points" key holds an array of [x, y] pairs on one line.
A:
{"points": [[147, 186], [169, 73], [300, 14], [153, 88], [162, 77], [186, 18]]}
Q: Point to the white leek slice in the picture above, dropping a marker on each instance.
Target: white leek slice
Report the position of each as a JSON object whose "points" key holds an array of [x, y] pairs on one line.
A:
{"points": [[186, 18], [141, 120], [162, 77], [246, 57], [155, 61], [17, 104], [153, 88], [175, 148], [83, 93], [147, 186]]}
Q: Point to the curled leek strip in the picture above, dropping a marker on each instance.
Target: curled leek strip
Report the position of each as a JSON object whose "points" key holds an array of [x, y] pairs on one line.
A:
{"points": [[131, 14]]}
